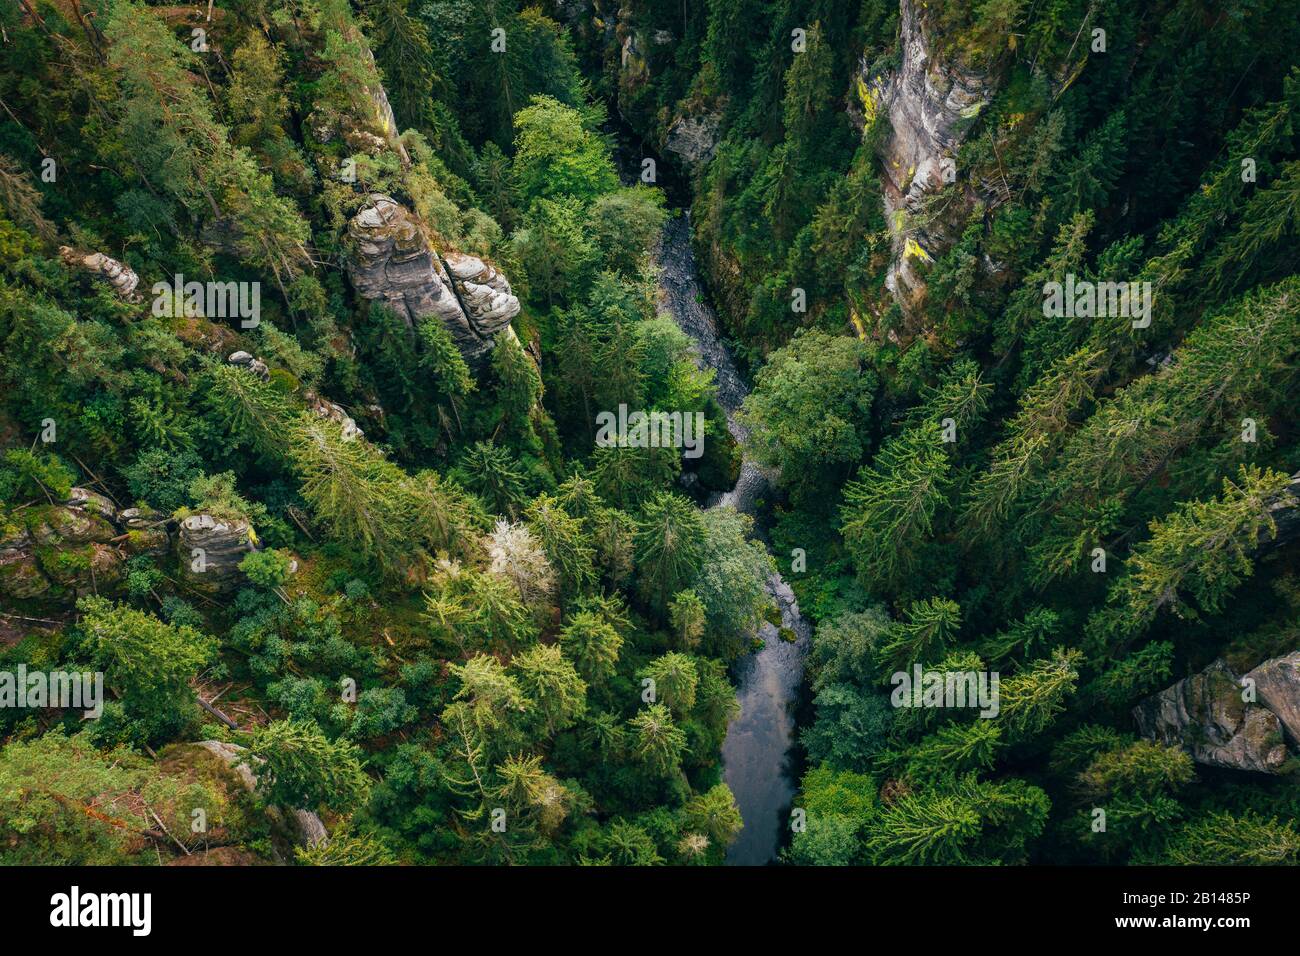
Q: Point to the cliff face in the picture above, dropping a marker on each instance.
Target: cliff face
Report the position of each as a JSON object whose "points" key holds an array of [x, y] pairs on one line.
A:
{"points": [[930, 103], [80, 546], [396, 264], [1212, 715]]}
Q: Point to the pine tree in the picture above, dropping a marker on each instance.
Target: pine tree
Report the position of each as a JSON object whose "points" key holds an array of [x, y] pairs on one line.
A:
{"points": [[1225, 839], [1232, 361], [489, 707], [492, 473], [1033, 698], [686, 614], [675, 679], [517, 556], [922, 637], [930, 829], [356, 492], [889, 511], [659, 742], [593, 644], [298, 766], [1033, 436], [669, 546], [713, 813], [954, 750], [555, 691], [565, 543], [1202, 551]]}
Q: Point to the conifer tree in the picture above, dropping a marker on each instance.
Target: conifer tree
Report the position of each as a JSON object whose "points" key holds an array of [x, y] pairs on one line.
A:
{"points": [[593, 644], [675, 679], [1202, 552], [298, 766], [921, 638], [669, 546], [889, 511], [1034, 697], [659, 743], [548, 680]]}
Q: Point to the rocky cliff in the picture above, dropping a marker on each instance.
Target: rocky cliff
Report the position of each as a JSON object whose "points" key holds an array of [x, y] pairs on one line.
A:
{"points": [[691, 131], [395, 263], [930, 103], [1223, 720]]}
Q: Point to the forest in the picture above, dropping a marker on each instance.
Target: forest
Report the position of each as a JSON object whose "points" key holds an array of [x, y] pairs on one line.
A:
{"points": [[637, 432]]}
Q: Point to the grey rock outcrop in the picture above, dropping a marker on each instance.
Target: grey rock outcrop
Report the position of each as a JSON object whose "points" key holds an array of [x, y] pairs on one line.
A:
{"points": [[21, 577], [146, 532], [1277, 687], [1209, 715], [210, 548], [120, 276], [245, 360], [484, 293], [233, 756], [930, 105], [395, 263], [694, 139], [324, 408], [62, 550], [1285, 512], [304, 827]]}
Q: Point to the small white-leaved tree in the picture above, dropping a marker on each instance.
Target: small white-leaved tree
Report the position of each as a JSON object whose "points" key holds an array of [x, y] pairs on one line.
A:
{"points": [[518, 556]]}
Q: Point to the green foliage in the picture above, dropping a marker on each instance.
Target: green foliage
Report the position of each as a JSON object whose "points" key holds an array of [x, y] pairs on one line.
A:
{"points": [[890, 508], [972, 823], [26, 475], [669, 545], [808, 413], [148, 662], [296, 765], [555, 155], [974, 484]]}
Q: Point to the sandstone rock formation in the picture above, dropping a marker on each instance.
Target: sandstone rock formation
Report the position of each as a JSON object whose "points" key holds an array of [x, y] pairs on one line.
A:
{"points": [[1285, 511], [324, 408], [1277, 687], [484, 292], [303, 827], [395, 263], [694, 139], [210, 548], [930, 105], [121, 277], [247, 361], [1210, 716], [146, 531], [61, 550]]}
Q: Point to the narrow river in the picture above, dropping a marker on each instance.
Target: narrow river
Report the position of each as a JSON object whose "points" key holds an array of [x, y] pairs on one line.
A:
{"points": [[756, 752]]}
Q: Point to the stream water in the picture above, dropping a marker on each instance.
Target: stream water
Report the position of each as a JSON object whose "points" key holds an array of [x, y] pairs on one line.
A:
{"points": [[756, 753]]}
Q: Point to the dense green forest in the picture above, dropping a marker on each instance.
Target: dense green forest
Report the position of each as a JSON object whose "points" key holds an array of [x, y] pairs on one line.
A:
{"points": [[310, 314]]}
